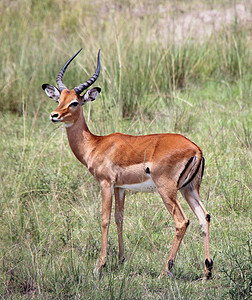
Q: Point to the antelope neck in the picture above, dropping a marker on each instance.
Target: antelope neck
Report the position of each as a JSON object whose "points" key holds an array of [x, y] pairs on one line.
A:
{"points": [[80, 139]]}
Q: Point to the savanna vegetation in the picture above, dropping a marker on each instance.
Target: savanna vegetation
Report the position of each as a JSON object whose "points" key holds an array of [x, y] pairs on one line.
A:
{"points": [[158, 75]]}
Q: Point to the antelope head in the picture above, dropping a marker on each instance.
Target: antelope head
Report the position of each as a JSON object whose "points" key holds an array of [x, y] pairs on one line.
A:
{"points": [[70, 101]]}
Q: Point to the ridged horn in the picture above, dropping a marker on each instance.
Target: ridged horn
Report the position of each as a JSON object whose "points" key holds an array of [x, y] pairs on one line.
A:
{"points": [[59, 78], [79, 89]]}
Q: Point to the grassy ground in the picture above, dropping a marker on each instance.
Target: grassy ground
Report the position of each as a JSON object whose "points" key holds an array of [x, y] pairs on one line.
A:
{"points": [[50, 213]]}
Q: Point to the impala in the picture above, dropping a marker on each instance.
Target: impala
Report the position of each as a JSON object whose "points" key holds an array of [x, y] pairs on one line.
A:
{"points": [[164, 163]]}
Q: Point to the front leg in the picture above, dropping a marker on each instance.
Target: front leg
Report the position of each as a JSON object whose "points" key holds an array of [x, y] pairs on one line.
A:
{"points": [[106, 214]]}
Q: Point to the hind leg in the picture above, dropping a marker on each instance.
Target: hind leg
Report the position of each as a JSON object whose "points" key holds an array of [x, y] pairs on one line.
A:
{"points": [[191, 194], [170, 200]]}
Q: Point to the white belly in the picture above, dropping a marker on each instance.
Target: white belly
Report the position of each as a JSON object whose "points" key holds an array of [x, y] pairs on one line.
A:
{"points": [[144, 187]]}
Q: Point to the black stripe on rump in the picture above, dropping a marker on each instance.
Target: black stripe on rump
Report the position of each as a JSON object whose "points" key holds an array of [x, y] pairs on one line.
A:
{"points": [[203, 166], [202, 160], [183, 172]]}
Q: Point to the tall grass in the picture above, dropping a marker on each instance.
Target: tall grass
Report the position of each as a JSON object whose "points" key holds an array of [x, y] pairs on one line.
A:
{"points": [[50, 212]]}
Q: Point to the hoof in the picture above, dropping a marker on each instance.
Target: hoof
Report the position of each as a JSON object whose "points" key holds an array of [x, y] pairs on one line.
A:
{"points": [[170, 264], [98, 270], [97, 273], [122, 260], [170, 274], [167, 269], [208, 269], [166, 272], [161, 275]]}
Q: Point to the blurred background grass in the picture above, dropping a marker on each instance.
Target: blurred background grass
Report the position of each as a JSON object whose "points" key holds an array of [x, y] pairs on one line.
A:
{"points": [[167, 66]]}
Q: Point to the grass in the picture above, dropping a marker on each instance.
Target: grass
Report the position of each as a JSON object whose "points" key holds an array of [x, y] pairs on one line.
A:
{"points": [[50, 212]]}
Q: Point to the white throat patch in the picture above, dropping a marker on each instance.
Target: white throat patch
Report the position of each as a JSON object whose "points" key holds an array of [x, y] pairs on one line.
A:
{"points": [[67, 125]]}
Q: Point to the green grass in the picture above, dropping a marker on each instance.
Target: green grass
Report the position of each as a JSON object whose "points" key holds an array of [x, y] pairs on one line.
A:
{"points": [[50, 212]]}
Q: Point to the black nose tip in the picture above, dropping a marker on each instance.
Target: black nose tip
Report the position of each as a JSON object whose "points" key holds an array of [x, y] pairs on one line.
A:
{"points": [[54, 117]]}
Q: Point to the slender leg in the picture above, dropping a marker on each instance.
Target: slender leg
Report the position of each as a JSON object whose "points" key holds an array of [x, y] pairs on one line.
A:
{"points": [[181, 223], [119, 209], [106, 214], [191, 194]]}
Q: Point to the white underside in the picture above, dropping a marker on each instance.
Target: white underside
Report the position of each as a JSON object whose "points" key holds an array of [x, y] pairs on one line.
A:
{"points": [[144, 187]]}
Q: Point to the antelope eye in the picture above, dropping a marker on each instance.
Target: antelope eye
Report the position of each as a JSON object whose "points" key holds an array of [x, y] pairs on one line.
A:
{"points": [[74, 104]]}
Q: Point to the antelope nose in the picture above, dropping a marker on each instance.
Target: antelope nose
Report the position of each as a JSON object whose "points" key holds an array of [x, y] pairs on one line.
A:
{"points": [[54, 117]]}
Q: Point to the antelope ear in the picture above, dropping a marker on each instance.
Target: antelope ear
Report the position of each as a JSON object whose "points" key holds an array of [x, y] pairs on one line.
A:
{"points": [[51, 91], [91, 95]]}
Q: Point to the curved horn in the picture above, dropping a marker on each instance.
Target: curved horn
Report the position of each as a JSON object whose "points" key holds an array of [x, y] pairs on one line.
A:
{"points": [[79, 89], [59, 78]]}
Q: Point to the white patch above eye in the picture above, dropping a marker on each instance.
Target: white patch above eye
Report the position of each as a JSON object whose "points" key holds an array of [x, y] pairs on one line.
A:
{"points": [[73, 103]]}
